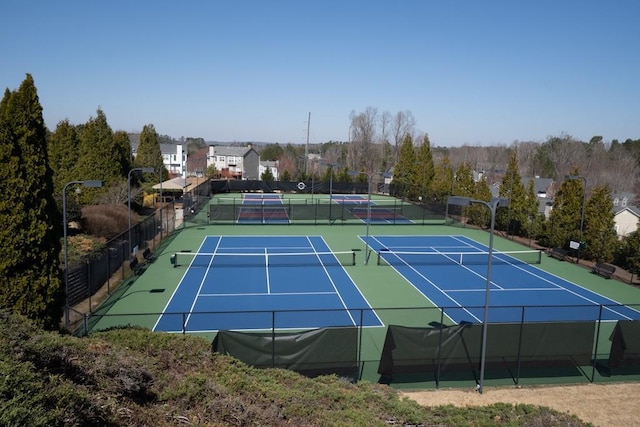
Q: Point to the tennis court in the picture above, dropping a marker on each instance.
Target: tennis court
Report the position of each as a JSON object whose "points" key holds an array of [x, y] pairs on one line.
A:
{"points": [[451, 272], [262, 209], [363, 209], [264, 282]]}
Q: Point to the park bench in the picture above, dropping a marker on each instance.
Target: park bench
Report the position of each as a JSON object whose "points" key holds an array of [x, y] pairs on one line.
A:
{"points": [[148, 255], [604, 270], [558, 253], [136, 266]]}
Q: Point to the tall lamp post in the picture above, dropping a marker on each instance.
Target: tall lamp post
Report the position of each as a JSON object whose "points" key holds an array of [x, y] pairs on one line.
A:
{"points": [[584, 197], [90, 183], [144, 170], [492, 205]]}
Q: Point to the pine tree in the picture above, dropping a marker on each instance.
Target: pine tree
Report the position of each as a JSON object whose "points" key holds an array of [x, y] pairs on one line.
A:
{"points": [[531, 209], [122, 146], [478, 213], [464, 185], [267, 175], [425, 168], [30, 275], [328, 175], [599, 233], [63, 154], [343, 176], [404, 172], [564, 222], [513, 219], [149, 153], [98, 157], [442, 183], [628, 256]]}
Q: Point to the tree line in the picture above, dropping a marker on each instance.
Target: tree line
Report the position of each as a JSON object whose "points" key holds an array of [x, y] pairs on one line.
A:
{"points": [[39, 163], [37, 166]]}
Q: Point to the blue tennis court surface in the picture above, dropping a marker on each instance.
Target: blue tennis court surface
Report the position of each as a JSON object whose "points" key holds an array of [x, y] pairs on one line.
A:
{"points": [[363, 209], [260, 282], [519, 291]]}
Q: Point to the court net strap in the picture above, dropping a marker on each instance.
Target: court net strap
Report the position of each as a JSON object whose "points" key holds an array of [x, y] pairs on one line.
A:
{"points": [[263, 259], [386, 257]]}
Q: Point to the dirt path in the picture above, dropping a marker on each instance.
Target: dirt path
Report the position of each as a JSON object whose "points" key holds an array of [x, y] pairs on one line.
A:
{"points": [[603, 405]]}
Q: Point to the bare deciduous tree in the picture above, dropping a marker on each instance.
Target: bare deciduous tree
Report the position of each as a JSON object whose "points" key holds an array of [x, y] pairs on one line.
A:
{"points": [[403, 123]]}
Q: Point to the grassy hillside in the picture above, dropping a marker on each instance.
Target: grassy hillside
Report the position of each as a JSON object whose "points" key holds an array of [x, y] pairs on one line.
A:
{"points": [[135, 377]]}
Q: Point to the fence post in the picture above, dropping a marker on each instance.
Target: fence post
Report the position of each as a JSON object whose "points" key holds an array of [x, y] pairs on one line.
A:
{"points": [[85, 324], [359, 362], [520, 345], [273, 339], [439, 348], [595, 350]]}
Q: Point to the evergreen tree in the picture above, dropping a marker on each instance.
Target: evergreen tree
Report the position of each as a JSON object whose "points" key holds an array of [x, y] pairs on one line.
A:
{"points": [[464, 185], [63, 154], [442, 183], [30, 276], [513, 219], [328, 175], [149, 154], [267, 175], [531, 208], [344, 176], [286, 176], [599, 233], [425, 168], [122, 146], [98, 157], [628, 256], [479, 214], [564, 222], [405, 170]]}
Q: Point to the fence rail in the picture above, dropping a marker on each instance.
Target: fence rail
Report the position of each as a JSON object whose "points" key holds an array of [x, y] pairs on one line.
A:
{"points": [[423, 345], [92, 272]]}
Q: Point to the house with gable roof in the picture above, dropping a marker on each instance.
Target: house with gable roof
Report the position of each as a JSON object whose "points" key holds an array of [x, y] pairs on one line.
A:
{"points": [[235, 162], [626, 216]]}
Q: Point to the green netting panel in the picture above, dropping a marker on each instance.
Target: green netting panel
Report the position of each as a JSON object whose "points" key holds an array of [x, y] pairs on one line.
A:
{"points": [[455, 348], [312, 353], [625, 344]]}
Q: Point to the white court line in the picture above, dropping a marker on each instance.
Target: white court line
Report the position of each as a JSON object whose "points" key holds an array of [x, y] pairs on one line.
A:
{"points": [[426, 279]]}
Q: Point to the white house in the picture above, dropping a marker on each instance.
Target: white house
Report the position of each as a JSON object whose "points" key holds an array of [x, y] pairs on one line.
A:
{"points": [[272, 166], [174, 159], [626, 219]]}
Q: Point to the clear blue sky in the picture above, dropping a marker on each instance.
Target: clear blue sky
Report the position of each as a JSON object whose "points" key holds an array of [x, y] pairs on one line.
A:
{"points": [[476, 72]]}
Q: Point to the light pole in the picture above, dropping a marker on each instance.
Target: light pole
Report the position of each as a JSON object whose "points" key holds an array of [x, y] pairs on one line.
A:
{"points": [[93, 184], [144, 170], [584, 196], [492, 205]]}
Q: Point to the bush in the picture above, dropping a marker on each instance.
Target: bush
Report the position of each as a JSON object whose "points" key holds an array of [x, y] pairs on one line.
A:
{"points": [[107, 220]]}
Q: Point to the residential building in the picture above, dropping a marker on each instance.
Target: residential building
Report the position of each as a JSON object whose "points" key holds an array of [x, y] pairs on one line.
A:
{"points": [[272, 166], [174, 159], [626, 216], [235, 162]]}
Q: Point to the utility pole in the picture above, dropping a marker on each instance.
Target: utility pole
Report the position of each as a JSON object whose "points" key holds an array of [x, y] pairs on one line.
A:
{"points": [[306, 147]]}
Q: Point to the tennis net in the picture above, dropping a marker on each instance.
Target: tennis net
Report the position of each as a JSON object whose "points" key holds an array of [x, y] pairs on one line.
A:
{"points": [[264, 259], [386, 257]]}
